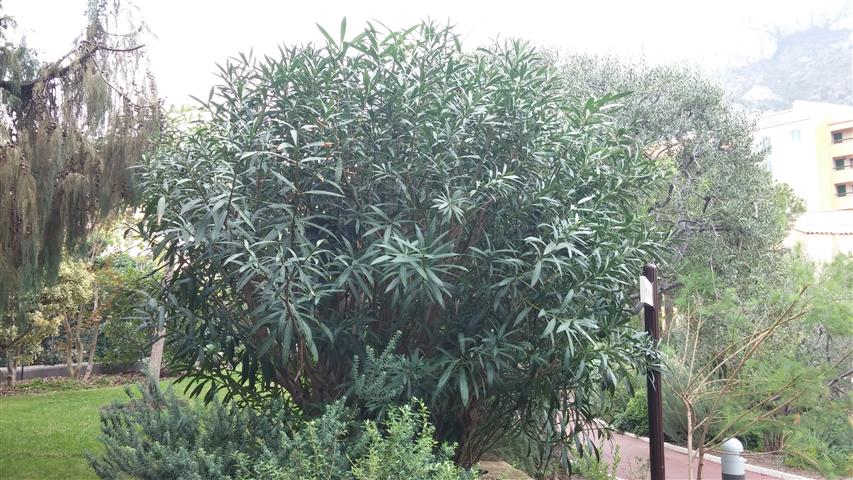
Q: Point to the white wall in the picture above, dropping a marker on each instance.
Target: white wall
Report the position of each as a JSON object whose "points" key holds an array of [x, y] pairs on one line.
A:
{"points": [[794, 161]]}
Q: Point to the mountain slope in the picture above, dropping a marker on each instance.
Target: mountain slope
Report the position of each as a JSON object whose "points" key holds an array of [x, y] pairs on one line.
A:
{"points": [[813, 64]]}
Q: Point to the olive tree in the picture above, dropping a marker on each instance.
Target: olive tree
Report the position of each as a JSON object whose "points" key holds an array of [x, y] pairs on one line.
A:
{"points": [[726, 213], [459, 212]]}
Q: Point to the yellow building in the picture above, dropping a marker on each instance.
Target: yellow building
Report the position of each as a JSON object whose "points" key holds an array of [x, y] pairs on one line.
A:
{"points": [[841, 152], [810, 147]]}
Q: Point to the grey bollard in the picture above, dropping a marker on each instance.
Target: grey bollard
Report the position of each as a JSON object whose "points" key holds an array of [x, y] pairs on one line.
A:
{"points": [[731, 463]]}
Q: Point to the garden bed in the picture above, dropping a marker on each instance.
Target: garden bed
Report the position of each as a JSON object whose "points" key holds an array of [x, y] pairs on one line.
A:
{"points": [[62, 384]]}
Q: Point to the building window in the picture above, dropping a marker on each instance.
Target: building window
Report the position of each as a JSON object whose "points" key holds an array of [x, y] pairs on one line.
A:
{"points": [[841, 190], [795, 136], [839, 163], [837, 137], [765, 145]]}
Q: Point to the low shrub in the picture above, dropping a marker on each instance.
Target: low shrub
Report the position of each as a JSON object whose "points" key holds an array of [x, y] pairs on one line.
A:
{"points": [[822, 441], [809, 450], [584, 458], [591, 467], [528, 455], [124, 343], [635, 417], [159, 436]]}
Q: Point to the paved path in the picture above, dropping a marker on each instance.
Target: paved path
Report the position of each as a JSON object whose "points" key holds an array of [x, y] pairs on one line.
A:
{"points": [[634, 454], [44, 371], [61, 370]]}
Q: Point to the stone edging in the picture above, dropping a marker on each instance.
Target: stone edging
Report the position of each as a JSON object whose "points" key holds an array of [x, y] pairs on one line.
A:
{"points": [[713, 458]]}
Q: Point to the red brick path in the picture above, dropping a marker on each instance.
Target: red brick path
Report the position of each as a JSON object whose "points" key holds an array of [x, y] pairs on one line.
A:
{"points": [[634, 454]]}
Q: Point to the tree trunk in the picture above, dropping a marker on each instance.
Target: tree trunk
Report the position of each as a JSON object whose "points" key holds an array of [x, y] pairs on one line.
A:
{"points": [[156, 360], [703, 438], [78, 339], [90, 364], [668, 313], [703, 444], [467, 453], [689, 409], [69, 347], [11, 367], [96, 320]]}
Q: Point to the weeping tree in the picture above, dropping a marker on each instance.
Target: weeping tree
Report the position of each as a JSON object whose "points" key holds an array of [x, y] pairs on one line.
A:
{"points": [[69, 130], [390, 217]]}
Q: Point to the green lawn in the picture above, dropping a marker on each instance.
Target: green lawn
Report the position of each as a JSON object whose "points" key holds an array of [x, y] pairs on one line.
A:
{"points": [[45, 436]]}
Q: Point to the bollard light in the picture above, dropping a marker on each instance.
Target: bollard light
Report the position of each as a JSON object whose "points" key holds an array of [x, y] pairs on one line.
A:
{"points": [[731, 463]]}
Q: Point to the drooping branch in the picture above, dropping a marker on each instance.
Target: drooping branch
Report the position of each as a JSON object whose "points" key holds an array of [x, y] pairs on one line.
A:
{"points": [[840, 377], [663, 203], [58, 71]]}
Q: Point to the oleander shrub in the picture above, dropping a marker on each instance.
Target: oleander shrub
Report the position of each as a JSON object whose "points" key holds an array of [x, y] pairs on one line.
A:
{"points": [[393, 184]]}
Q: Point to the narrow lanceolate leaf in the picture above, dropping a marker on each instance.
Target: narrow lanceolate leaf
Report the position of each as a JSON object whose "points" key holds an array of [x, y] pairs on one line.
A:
{"points": [[161, 209], [463, 387], [549, 329], [442, 381], [534, 277]]}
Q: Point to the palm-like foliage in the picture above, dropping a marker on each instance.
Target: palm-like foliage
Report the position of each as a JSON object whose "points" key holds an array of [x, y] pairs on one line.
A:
{"points": [[341, 194]]}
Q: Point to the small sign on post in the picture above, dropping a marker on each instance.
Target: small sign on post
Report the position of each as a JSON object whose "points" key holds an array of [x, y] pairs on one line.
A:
{"points": [[649, 298], [647, 292]]}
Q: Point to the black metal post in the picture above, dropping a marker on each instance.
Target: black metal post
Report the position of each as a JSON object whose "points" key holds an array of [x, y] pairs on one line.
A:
{"points": [[653, 387]]}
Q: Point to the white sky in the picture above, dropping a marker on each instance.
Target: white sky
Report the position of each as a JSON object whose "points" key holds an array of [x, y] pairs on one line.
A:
{"points": [[193, 35]]}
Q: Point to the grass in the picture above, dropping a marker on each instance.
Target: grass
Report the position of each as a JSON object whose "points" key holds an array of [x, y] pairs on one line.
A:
{"points": [[46, 436]]}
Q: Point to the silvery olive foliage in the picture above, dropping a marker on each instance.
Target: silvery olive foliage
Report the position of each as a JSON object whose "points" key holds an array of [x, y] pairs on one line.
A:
{"points": [[720, 202], [395, 187]]}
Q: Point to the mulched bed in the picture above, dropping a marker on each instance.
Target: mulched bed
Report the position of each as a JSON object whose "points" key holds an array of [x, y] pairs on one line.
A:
{"points": [[775, 461], [37, 386]]}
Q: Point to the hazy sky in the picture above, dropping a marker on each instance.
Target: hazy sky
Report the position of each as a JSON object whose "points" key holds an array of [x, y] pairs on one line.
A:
{"points": [[193, 35]]}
